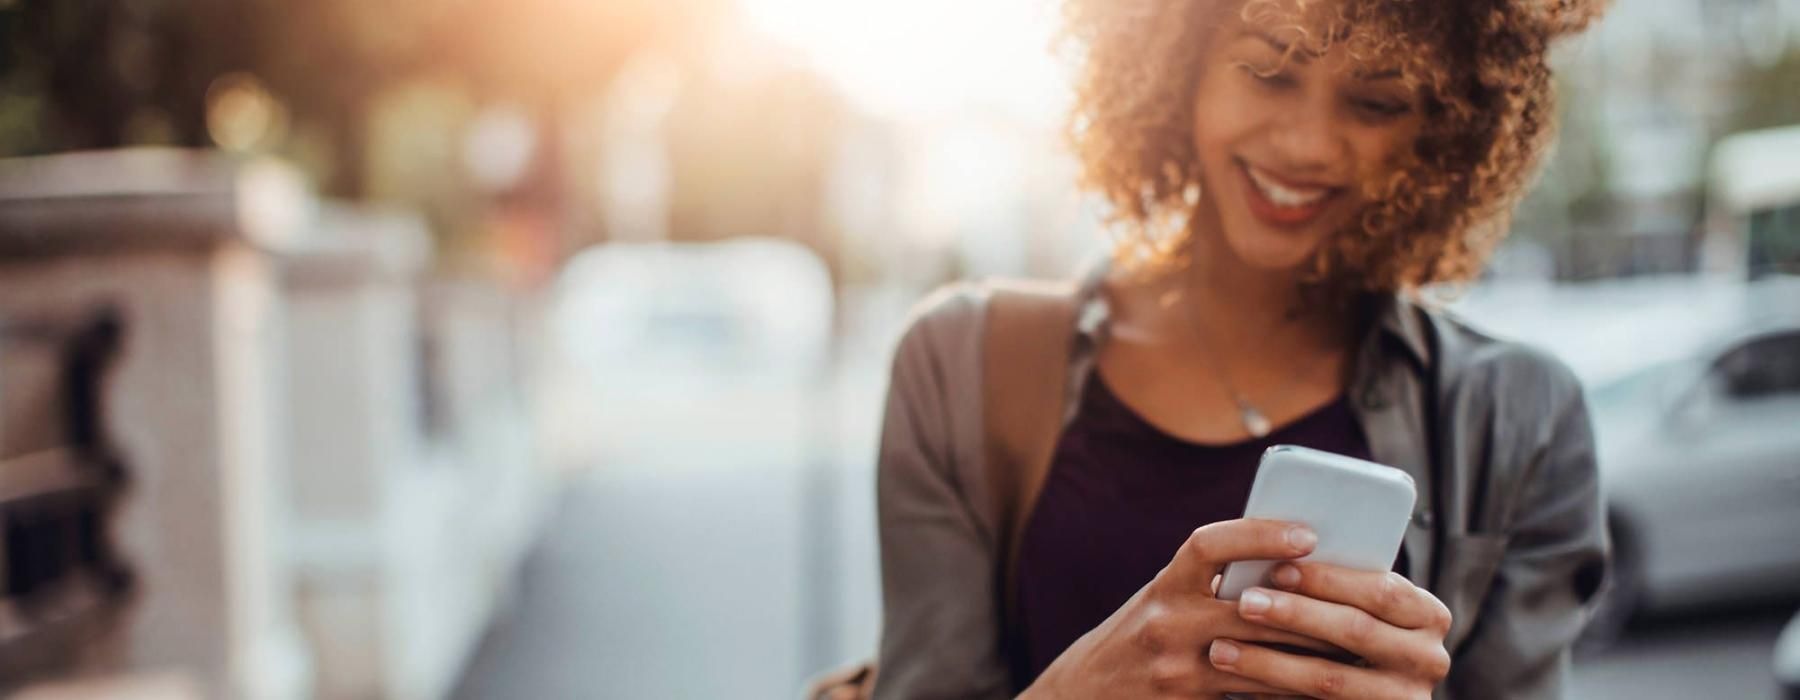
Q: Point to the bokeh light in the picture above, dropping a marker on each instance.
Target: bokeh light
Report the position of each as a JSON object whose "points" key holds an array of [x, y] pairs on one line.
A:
{"points": [[240, 112]]}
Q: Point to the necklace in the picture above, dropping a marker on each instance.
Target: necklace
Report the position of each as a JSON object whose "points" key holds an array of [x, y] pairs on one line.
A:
{"points": [[1255, 422]]}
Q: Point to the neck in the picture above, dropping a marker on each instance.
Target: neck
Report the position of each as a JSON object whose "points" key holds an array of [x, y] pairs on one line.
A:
{"points": [[1250, 313], [1229, 294]]}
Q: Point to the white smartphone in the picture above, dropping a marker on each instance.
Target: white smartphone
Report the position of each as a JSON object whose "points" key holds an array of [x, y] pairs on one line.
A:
{"points": [[1359, 509]]}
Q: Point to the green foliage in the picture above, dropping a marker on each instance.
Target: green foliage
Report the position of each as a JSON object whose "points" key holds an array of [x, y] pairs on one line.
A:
{"points": [[108, 73]]}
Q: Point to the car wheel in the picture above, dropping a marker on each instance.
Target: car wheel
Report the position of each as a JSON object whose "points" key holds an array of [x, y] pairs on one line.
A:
{"points": [[1619, 599]]}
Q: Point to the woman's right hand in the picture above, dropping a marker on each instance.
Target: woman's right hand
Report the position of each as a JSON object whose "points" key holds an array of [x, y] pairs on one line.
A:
{"points": [[1156, 644]]}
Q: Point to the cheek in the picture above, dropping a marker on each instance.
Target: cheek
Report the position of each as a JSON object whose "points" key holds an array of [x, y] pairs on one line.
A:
{"points": [[1206, 121], [1381, 152], [1222, 119]]}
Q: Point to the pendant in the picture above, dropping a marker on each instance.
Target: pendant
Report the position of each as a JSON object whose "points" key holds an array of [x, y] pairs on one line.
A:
{"points": [[1254, 421]]}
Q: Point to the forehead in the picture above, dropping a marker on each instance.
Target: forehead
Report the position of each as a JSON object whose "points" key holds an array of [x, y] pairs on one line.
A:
{"points": [[1359, 28]]}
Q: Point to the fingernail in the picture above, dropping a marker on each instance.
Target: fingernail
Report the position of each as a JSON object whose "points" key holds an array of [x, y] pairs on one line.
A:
{"points": [[1302, 538], [1224, 653], [1255, 602], [1286, 576]]}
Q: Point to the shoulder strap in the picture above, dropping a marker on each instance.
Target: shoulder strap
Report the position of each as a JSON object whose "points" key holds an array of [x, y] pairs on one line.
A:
{"points": [[1025, 359], [1024, 364]]}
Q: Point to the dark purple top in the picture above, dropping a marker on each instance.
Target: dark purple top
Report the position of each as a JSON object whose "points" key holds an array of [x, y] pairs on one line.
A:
{"points": [[1120, 499]]}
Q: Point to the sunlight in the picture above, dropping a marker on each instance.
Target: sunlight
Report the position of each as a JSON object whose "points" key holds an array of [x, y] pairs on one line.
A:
{"points": [[924, 58]]}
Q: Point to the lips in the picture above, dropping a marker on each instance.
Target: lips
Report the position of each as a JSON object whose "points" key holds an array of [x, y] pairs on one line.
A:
{"points": [[1284, 203]]}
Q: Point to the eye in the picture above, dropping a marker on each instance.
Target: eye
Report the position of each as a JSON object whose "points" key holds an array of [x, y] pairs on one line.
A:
{"points": [[1380, 108], [1273, 77], [1277, 80]]}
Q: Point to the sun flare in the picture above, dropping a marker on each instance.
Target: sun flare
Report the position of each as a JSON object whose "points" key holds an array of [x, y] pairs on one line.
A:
{"points": [[921, 58]]}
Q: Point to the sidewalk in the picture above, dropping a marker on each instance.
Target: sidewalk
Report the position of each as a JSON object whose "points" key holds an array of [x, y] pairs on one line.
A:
{"points": [[655, 584]]}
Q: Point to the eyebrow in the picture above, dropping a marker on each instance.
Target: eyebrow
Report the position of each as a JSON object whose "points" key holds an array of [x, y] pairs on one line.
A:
{"points": [[1282, 47], [1303, 57]]}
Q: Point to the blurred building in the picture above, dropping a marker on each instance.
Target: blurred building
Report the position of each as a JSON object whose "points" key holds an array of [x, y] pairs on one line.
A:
{"points": [[1645, 97]]}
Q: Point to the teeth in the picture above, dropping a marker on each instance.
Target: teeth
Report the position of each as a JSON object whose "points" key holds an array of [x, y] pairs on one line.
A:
{"points": [[1285, 196]]}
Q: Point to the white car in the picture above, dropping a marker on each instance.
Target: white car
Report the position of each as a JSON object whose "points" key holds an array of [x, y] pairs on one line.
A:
{"points": [[1701, 465], [1694, 388], [664, 349]]}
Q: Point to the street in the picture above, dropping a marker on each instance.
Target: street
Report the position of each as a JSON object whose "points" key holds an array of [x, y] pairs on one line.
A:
{"points": [[652, 586], [1712, 655]]}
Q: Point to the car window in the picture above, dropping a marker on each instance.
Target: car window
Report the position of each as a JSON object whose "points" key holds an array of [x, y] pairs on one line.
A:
{"points": [[1765, 367], [691, 326]]}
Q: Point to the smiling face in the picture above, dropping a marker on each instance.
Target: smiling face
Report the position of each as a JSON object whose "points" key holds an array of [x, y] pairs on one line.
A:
{"points": [[1287, 135]]}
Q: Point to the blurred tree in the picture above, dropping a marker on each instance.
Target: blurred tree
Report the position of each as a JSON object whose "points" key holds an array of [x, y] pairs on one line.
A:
{"points": [[329, 59], [1574, 196], [1769, 94], [104, 74], [550, 57], [108, 73], [751, 144]]}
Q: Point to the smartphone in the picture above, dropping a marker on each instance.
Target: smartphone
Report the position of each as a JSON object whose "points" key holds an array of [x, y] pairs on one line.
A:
{"points": [[1358, 508]]}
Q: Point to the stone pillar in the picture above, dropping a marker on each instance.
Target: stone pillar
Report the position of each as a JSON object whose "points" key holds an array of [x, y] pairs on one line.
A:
{"points": [[354, 377], [416, 492], [177, 243]]}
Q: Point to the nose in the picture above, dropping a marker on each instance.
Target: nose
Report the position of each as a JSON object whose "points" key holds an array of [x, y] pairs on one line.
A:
{"points": [[1308, 140]]}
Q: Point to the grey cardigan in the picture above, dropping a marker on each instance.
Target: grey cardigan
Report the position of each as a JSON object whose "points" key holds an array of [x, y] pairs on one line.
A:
{"points": [[1508, 532]]}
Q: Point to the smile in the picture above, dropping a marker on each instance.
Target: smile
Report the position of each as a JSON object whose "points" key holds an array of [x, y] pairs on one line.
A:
{"points": [[1282, 203]]}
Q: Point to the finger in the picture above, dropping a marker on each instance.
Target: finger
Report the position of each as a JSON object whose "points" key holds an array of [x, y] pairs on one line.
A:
{"points": [[1235, 686], [1209, 618], [1191, 675], [1214, 545], [1316, 678], [1238, 686], [1264, 634], [1384, 594], [1365, 635], [1317, 648]]}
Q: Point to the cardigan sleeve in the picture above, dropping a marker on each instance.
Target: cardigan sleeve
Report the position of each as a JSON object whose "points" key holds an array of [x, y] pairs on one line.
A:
{"points": [[941, 618]]}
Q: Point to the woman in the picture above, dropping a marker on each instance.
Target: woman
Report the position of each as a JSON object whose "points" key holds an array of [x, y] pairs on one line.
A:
{"points": [[1289, 173]]}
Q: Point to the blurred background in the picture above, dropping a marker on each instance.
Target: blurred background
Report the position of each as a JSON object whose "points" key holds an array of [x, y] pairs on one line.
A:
{"points": [[536, 349]]}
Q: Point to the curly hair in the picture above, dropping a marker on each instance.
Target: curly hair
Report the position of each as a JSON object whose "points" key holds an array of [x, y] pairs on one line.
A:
{"points": [[1480, 67]]}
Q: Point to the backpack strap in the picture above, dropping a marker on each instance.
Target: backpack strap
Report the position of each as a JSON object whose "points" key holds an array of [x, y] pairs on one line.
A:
{"points": [[1025, 366]]}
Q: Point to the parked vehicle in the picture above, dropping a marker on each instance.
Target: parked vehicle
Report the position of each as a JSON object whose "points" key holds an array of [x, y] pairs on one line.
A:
{"points": [[659, 345], [1695, 397]]}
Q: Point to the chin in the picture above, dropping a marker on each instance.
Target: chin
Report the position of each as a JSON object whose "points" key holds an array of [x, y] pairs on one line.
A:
{"points": [[1271, 250]]}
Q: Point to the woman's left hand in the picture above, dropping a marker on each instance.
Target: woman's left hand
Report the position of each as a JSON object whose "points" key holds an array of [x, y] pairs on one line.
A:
{"points": [[1397, 628]]}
